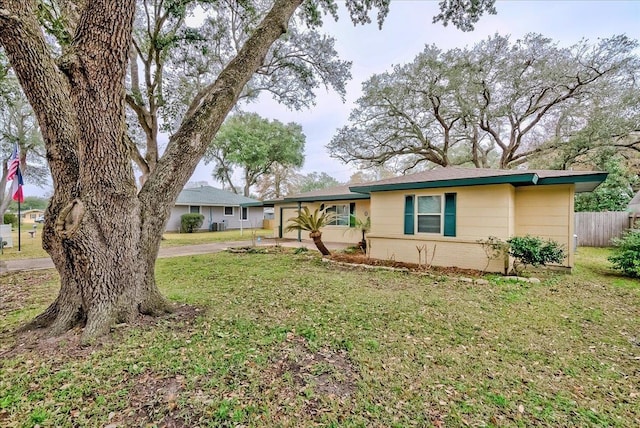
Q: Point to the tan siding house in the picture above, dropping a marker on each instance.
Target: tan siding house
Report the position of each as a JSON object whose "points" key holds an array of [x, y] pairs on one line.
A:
{"points": [[30, 216], [337, 199], [446, 211]]}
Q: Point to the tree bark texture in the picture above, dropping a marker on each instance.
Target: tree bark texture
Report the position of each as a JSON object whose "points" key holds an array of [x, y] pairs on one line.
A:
{"points": [[103, 234]]}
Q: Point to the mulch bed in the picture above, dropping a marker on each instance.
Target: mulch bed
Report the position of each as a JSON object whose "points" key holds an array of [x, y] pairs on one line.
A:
{"points": [[360, 258]]}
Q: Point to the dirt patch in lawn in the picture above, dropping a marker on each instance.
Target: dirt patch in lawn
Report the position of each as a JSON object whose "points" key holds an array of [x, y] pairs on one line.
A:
{"points": [[315, 378], [68, 345]]}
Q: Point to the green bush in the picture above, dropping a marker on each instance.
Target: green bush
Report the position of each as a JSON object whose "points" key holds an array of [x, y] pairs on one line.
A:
{"points": [[10, 218], [190, 222], [532, 250], [626, 254]]}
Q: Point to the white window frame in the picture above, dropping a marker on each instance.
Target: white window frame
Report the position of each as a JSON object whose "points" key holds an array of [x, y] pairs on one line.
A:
{"points": [[224, 211], [195, 206], [340, 217], [244, 213], [418, 214]]}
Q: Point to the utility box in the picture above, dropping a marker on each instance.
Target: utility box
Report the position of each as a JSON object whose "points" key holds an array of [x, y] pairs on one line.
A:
{"points": [[5, 235]]}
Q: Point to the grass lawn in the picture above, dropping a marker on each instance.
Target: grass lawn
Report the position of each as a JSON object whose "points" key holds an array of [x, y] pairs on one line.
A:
{"points": [[176, 239], [31, 248], [283, 340]]}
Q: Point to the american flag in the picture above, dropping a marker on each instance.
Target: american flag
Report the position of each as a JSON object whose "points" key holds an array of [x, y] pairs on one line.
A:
{"points": [[16, 176], [14, 164]]}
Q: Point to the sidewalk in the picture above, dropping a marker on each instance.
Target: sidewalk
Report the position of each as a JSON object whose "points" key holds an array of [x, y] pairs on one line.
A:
{"points": [[186, 250]]}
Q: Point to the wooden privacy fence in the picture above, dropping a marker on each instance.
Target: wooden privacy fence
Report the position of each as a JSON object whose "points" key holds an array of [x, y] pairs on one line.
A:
{"points": [[596, 229]]}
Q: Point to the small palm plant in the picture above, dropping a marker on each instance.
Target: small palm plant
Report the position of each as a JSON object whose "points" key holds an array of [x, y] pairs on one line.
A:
{"points": [[363, 226], [312, 223]]}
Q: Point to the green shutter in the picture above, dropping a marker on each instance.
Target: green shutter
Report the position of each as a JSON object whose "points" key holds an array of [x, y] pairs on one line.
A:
{"points": [[408, 215], [449, 214], [352, 214]]}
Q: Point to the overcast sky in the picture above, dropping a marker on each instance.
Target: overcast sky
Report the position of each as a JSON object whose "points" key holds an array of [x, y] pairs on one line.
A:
{"points": [[406, 31]]}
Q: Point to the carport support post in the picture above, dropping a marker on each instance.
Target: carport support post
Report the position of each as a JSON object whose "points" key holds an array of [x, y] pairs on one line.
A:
{"points": [[299, 230]]}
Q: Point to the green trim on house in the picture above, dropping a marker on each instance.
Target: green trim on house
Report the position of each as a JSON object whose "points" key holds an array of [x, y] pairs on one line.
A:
{"points": [[409, 222], [449, 214], [352, 214], [591, 178], [515, 180], [327, 198]]}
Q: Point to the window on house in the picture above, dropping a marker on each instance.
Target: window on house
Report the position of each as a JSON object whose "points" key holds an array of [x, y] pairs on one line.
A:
{"points": [[341, 214], [228, 211], [430, 214], [245, 213], [194, 209]]}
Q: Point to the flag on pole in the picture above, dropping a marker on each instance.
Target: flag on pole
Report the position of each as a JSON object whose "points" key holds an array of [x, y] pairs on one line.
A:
{"points": [[16, 187], [14, 163], [16, 176]]}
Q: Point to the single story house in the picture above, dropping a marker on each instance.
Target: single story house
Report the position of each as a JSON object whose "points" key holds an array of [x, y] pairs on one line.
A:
{"points": [[221, 209], [340, 200], [448, 210], [30, 216]]}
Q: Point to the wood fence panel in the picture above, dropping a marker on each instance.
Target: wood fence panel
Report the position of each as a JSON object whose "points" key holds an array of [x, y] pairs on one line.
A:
{"points": [[596, 229]]}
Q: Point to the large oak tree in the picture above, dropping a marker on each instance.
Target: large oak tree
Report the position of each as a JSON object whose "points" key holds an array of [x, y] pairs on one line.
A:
{"points": [[101, 231], [500, 103]]}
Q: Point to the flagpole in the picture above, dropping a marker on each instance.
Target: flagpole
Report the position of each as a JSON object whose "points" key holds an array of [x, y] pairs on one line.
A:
{"points": [[19, 221]]}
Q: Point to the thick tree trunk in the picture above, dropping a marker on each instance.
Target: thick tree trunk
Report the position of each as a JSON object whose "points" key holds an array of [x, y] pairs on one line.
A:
{"points": [[104, 236]]}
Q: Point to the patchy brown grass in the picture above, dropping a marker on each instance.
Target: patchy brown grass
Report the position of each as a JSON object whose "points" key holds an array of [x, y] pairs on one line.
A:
{"points": [[263, 340]]}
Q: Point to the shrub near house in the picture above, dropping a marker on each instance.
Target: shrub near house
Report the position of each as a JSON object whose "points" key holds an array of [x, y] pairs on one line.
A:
{"points": [[626, 255], [190, 222]]}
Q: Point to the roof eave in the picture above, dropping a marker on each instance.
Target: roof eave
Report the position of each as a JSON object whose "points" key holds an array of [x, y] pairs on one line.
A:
{"points": [[516, 180], [584, 183], [325, 198], [256, 204]]}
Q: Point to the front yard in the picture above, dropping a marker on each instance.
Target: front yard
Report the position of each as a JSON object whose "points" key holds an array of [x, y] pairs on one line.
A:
{"points": [[31, 246], [271, 340]]}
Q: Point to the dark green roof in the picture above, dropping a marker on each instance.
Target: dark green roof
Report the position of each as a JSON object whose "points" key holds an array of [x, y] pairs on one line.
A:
{"points": [[585, 181], [211, 196]]}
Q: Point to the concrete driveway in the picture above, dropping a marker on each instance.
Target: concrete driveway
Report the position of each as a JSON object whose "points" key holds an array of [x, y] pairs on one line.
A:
{"points": [[186, 250]]}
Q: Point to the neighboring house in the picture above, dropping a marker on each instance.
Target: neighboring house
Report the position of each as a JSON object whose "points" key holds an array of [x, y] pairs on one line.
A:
{"points": [[339, 199], [30, 216], [450, 209], [221, 209]]}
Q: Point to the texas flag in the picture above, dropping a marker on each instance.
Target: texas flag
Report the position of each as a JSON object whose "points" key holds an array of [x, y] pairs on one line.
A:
{"points": [[16, 176]]}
